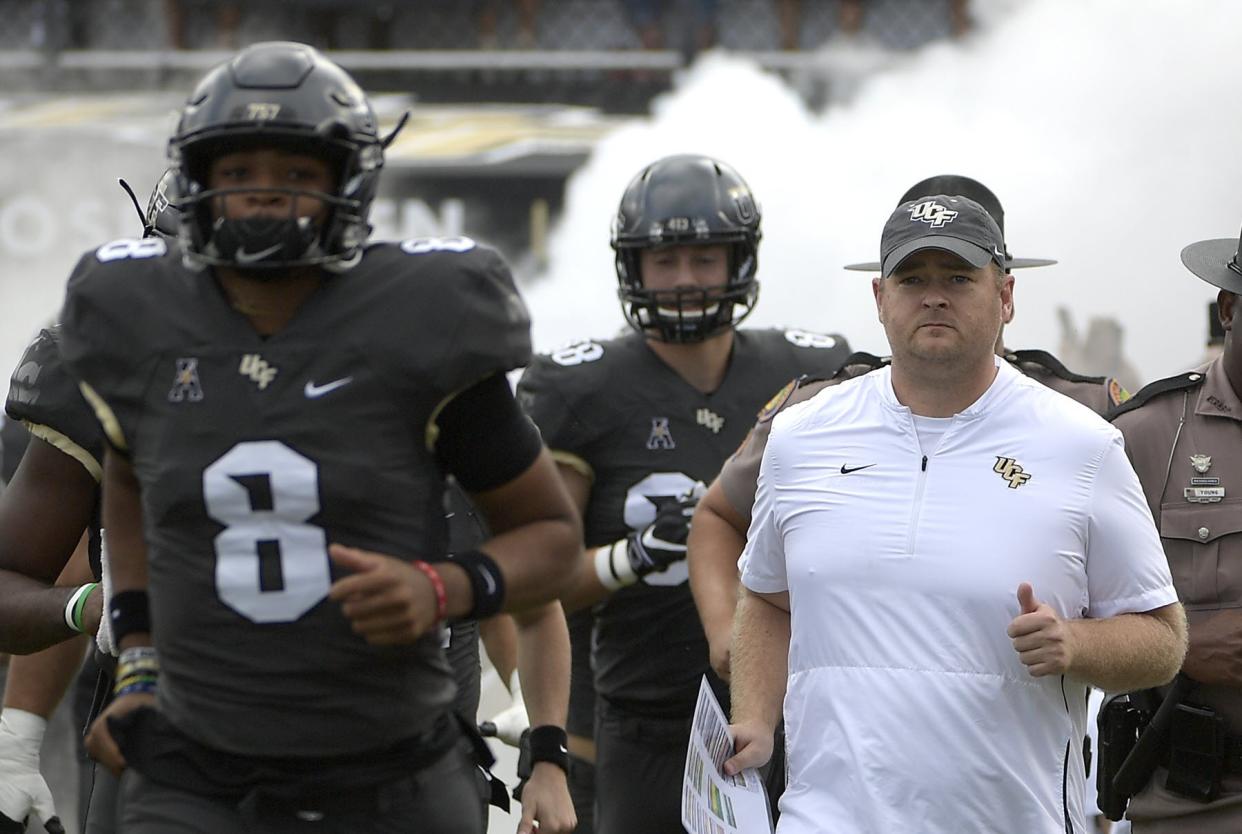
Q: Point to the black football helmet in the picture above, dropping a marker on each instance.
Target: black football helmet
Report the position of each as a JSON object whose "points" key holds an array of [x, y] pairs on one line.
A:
{"points": [[687, 200], [163, 218], [286, 95]]}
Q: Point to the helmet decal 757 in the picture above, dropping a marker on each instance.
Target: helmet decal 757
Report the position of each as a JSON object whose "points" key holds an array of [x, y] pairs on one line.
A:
{"points": [[687, 200]]}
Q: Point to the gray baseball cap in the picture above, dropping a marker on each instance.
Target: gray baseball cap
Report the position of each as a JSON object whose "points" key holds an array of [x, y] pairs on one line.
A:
{"points": [[952, 224], [960, 186]]}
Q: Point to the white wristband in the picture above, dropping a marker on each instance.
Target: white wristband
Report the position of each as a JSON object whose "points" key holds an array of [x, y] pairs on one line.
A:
{"points": [[72, 604], [612, 566]]}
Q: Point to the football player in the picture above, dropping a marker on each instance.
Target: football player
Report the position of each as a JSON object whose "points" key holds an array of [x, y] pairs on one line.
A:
{"points": [[281, 402], [54, 499], [51, 501], [638, 424]]}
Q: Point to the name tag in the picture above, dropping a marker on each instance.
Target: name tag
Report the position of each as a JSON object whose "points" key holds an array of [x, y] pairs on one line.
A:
{"points": [[1204, 495]]}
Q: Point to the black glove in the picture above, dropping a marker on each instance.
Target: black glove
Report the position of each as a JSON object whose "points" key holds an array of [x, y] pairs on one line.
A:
{"points": [[663, 542]]}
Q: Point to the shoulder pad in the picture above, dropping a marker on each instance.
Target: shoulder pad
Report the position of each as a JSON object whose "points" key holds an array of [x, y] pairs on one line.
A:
{"points": [[45, 396], [1051, 364], [859, 363], [1189, 379], [24, 382]]}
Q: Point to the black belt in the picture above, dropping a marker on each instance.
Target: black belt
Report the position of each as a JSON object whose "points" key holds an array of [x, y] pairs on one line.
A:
{"points": [[165, 755]]}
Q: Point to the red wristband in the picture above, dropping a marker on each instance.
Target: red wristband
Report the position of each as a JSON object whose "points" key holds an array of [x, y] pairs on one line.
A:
{"points": [[437, 585]]}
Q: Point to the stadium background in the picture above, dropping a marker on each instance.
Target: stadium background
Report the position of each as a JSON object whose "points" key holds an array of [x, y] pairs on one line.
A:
{"points": [[1108, 128]]}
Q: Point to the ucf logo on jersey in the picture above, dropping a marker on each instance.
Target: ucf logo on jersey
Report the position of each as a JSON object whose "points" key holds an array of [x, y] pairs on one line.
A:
{"points": [[256, 367], [1008, 469], [709, 419]]}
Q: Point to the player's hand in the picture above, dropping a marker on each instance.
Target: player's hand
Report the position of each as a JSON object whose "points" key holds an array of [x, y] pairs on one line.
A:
{"points": [[23, 790], [1044, 642], [546, 800], [387, 601], [99, 742], [752, 745], [663, 542]]}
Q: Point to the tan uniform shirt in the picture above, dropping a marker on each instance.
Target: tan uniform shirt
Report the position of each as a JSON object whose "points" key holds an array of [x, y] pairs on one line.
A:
{"points": [[1100, 394], [1186, 446], [740, 474]]}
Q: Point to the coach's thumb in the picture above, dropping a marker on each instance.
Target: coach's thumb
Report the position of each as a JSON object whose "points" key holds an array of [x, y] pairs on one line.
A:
{"points": [[1026, 598]]}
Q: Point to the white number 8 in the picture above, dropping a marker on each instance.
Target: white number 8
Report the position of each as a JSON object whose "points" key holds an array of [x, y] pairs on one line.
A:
{"points": [[293, 482], [149, 247], [423, 245], [808, 339], [576, 353]]}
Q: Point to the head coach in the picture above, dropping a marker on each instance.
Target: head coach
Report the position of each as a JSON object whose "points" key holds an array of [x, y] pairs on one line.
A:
{"points": [[943, 555]]}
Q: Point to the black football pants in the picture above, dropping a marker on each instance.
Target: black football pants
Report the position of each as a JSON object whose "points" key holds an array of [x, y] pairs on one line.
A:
{"points": [[639, 764], [582, 792], [442, 798]]}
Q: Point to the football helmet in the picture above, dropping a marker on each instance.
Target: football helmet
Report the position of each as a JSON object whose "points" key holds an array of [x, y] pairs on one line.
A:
{"points": [[687, 200], [162, 217], [285, 95]]}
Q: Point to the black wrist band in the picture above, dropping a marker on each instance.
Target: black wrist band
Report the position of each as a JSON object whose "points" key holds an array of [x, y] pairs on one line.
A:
{"points": [[486, 580], [129, 613], [549, 743]]}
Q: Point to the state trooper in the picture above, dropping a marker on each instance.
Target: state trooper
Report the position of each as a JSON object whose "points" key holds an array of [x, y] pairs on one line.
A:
{"points": [[1184, 437]]}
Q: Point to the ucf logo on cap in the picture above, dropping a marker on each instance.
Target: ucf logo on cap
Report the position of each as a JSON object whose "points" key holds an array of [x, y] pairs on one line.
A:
{"points": [[929, 211]]}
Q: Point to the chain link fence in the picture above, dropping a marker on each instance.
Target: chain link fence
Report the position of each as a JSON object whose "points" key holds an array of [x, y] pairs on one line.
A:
{"points": [[48, 27]]}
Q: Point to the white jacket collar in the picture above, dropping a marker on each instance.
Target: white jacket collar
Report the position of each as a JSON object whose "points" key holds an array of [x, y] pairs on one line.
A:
{"points": [[1004, 380]]}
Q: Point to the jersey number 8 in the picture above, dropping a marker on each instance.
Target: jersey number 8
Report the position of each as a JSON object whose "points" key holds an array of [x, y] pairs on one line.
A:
{"points": [[271, 566]]}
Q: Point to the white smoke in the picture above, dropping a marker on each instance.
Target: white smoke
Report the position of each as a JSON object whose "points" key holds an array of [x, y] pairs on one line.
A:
{"points": [[1106, 127]]}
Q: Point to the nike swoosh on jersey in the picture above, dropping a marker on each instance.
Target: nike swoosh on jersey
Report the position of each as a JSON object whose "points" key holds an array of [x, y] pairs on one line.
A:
{"points": [[845, 470], [244, 257], [312, 390]]}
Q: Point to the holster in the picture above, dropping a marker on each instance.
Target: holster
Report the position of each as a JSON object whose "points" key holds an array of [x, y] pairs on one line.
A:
{"points": [[1120, 722], [1117, 782]]}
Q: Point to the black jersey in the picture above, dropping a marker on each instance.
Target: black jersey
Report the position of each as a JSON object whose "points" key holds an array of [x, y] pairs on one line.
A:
{"points": [[647, 436], [45, 398], [14, 438], [255, 453]]}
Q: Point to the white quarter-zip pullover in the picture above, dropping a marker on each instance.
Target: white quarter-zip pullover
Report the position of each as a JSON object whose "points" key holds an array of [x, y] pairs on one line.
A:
{"points": [[907, 708]]}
